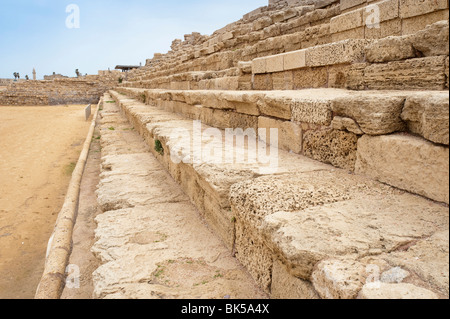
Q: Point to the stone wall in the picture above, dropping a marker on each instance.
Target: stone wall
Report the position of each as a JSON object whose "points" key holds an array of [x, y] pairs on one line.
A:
{"points": [[83, 90]]}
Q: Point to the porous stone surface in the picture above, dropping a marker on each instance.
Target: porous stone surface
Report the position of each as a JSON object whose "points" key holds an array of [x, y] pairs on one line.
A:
{"points": [[334, 147]]}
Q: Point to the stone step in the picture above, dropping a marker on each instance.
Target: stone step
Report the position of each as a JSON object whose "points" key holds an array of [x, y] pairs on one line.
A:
{"points": [[337, 127], [149, 223], [285, 32], [303, 229], [414, 61]]}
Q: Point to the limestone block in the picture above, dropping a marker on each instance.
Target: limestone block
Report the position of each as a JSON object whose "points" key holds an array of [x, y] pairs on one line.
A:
{"points": [[298, 237], [386, 29], [274, 63], [428, 258], [283, 80], [395, 291], [289, 134], [286, 286], [259, 66], [347, 21], [375, 113], [387, 9], [262, 23], [357, 33], [253, 253], [418, 23], [412, 8], [243, 102], [390, 49], [345, 123], [262, 82], [355, 76], [347, 4], [347, 51], [334, 147], [310, 78], [434, 40], [314, 106], [295, 60], [406, 162], [339, 76], [427, 114], [278, 105], [413, 74], [339, 279]]}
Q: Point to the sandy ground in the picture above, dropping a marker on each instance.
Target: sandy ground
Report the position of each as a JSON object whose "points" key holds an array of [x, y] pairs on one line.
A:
{"points": [[39, 147]]}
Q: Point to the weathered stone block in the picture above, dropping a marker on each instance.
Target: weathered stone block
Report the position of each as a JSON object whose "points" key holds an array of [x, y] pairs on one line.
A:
{"points": [[346, 124], [262, 82], [274, 63], [434, 40], [387, 10], [314, 106], [283, 80], [357, 33], [334, 147], [347, 21], [415, 24], [390, 49], [406, 162], [286, 286], [348, 51], [427, 114], [412, 8], [310, 78], [295, 60], [339, 279], [347, 4], [289, 134], [414, 74], [277, 105], [375, 113], [386, 29], [259, 66]]}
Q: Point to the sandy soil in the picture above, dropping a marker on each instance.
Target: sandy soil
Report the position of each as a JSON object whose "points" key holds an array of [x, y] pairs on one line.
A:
{"points": [[39, 147]]}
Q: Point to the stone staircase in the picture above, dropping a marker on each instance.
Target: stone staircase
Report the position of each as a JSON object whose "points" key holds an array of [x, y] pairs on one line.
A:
{"points": [[313, 145]]}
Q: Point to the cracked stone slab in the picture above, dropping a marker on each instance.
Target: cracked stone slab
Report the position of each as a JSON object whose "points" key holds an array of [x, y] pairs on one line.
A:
{"points": [[366, 225]]}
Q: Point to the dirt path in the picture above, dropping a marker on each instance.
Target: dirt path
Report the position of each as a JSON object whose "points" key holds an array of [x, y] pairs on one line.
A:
{"points": [[83, 233], [39, 147]]}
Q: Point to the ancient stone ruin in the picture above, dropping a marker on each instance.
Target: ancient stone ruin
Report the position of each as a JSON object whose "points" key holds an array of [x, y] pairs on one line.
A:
{"points": [[355, 204]]}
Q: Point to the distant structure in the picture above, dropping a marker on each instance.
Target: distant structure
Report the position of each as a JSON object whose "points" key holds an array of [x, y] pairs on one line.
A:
{"points": [[54, 76], [126, 68], [34, 74]]}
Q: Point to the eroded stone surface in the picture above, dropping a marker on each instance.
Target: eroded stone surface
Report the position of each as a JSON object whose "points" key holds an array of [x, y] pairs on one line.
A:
{"points": [[427, 114], [406, 162]]}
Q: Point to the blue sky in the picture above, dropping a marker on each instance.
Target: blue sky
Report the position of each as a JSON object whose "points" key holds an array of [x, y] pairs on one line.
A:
{"points": [[33, 33]]}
